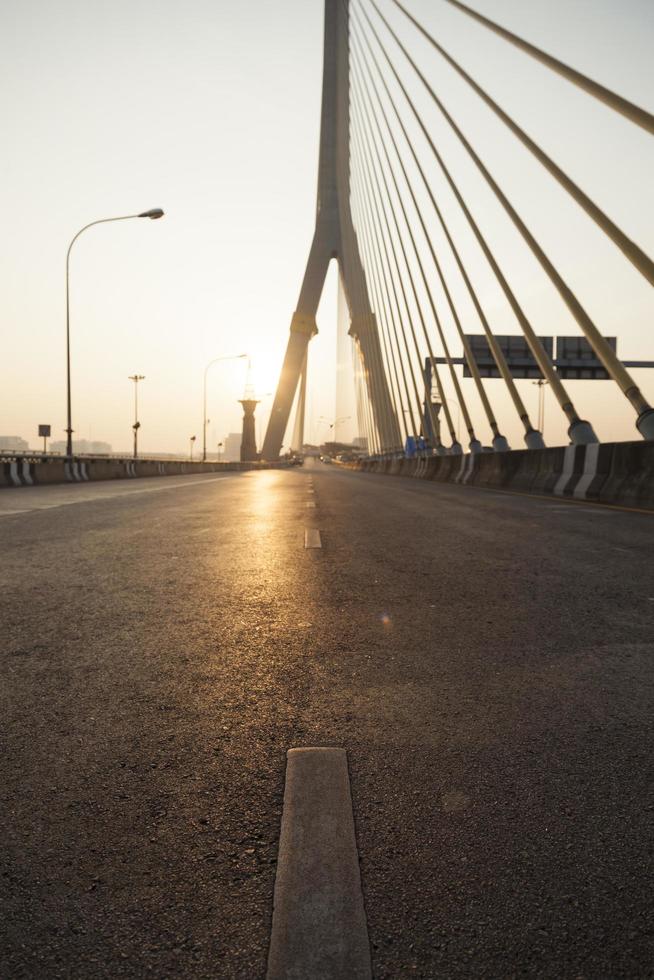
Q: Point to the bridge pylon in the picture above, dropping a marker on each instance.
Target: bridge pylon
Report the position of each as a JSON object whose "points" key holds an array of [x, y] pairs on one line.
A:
{"points": [[334, 237]]}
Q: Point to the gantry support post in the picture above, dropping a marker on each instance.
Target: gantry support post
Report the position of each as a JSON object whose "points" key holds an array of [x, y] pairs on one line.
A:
{"points": [[334, 237]]}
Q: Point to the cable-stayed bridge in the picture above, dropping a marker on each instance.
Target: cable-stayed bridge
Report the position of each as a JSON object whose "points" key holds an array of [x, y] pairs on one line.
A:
{"points": [[263, 720], [383, 178]]}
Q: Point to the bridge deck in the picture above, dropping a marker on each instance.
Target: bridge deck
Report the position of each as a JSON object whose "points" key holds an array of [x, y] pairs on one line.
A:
{"points": [[485, 660]]}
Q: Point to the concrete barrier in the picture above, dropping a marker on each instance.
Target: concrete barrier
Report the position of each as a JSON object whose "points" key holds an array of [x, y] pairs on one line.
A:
{"points": [[466, 466], [447, 469], [549, 468], [44, 470], [630, 480], [497, 469], [620, 473], [106, 469], [49, 472], [9, 476], [573, 467], [596, 471]]}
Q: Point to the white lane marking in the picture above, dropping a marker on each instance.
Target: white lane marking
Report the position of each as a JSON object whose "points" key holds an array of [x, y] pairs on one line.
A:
{"points": [[78, 497], [310, 503], [319, 926], [312, 538]]}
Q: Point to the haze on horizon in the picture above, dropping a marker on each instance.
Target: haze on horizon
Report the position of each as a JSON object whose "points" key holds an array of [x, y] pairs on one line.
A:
{"points": [[210, 110]]}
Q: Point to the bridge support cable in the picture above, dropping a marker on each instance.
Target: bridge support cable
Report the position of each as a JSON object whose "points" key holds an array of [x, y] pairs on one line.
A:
{"points": [[381, 297], [366, 160], [601, 347], [368, 163], [453, 375], [382, 274], [499, 442], [382, 314], [375, 443], [533, 438], [580, 431], [616, 102], [387, 278], [363, 325], [362, 110], [639, 259], [372, 430], [364, 406], [357, 391], [372, 371], [389, 435]]}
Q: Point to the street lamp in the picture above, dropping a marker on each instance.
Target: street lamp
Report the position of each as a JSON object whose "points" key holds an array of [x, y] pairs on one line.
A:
{"points": [[541, 403], [205, 420], [192, 441], [137, 425], [343, 418], [153, 213]]}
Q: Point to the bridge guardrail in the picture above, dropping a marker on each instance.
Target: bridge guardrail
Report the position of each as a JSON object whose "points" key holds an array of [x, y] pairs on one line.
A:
{"points": [[615, 473], [29, 471], [631, 476]]}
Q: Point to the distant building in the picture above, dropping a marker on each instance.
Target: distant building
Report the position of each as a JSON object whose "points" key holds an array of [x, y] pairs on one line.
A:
{"points": [[83, 447], [360, 443], [232, 447], [13, 444]]}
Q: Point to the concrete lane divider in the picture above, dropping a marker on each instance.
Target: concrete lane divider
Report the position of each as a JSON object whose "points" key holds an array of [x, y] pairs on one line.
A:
{"points": [[573, 466], [630, 480], [71, 471], [319, 927], [312, 538], [49, 472], [597, 467]]}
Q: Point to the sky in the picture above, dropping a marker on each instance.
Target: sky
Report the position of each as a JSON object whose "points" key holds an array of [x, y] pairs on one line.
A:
{"points": [[210, 110]]}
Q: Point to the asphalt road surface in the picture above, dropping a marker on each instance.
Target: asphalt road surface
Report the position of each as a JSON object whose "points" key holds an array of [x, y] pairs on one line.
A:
{"points": [[485, 659]]}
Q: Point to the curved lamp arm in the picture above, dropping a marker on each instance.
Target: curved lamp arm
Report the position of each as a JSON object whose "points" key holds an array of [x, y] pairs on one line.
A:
{"points": [[153, 214]]}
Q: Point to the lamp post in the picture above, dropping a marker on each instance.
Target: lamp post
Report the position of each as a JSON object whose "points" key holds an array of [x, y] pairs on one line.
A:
{"points": [[153, 213], [137, 425], [192, 440], [205, 420], [343, 418], [541, 403]]}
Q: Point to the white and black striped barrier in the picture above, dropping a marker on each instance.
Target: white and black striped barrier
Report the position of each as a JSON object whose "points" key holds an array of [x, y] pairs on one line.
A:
{"points": [[34, 472], [619, 473]]}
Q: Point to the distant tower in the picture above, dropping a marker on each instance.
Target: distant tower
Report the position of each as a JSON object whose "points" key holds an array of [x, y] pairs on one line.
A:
{"points": [[249, 439], [334, 237]]}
